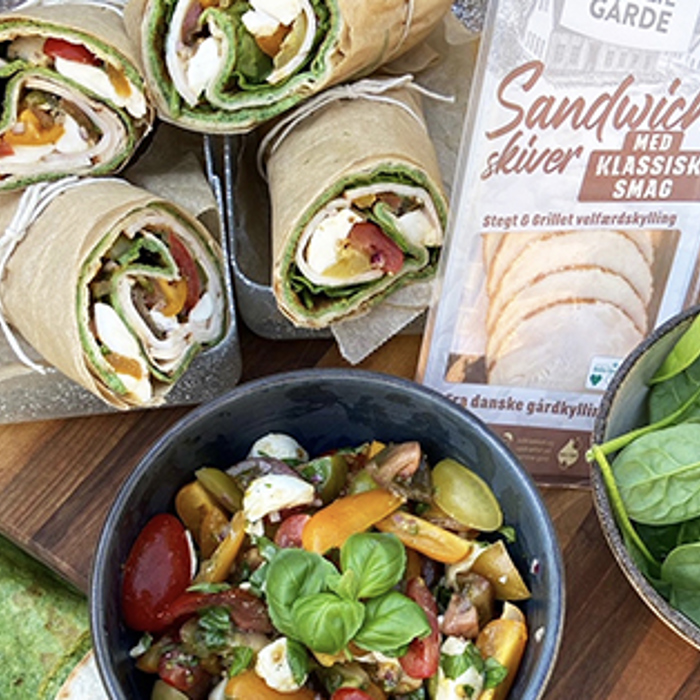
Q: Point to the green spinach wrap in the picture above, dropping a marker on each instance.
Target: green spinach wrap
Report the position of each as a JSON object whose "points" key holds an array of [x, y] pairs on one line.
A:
{"points": [[358, 209], [73, 97], [226, 66], [115, 287]]}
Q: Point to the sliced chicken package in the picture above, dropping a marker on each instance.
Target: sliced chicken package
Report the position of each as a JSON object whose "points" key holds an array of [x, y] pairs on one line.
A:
{"points": [[227, 66], [113, 286], [574, 229], [74, 100], [358, 208]]}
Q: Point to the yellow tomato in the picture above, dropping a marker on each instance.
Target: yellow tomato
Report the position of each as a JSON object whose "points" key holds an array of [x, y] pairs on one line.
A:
{"points": [[495, 564], [505, 640], [425, 537], [33, 131], [332, 525], [217, 567]]}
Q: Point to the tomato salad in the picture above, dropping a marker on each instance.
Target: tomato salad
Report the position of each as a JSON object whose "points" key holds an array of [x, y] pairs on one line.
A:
{"points": [[362, 574]]}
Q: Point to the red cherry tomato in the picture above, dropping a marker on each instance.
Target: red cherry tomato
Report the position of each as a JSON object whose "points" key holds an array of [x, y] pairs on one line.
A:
{"points": [[382, 251], [188, 270], [6, 149], [350, 694], [60, 48], [289, 532], [157, 571], [184, 672], [423, 656]]}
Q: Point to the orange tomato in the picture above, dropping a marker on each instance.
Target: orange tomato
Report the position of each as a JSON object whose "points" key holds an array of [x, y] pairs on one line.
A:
{"points": [[425, 537], [249, 685], [332, 525]]}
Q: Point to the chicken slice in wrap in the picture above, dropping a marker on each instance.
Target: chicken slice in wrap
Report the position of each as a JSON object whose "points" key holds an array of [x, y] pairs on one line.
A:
{"points": [[358, 209], [228, 65], [74, 100], [136, 290]]}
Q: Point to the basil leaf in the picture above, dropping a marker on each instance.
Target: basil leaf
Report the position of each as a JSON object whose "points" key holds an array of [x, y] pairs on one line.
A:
{"points": [[298, 661], [495, 672], [215, 623], [454, 665], [291, 575], [681, 570], [658, 475], [378, 558], [392, 621], [325, 622], [239, 658]]}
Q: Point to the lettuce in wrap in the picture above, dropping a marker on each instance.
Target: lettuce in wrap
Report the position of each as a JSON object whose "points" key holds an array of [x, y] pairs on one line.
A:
{"points": [[74, 100], [228, 65]]}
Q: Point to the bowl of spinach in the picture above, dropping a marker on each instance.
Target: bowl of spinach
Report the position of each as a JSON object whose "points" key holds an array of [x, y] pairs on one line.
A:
{"points": [[645, 471]]}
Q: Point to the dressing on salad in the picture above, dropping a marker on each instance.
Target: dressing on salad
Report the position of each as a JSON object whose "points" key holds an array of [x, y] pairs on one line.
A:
{"points": [[353, 575]]}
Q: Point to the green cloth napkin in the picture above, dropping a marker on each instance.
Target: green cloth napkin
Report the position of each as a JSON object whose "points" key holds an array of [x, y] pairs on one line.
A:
{"points": [[44, 627]]}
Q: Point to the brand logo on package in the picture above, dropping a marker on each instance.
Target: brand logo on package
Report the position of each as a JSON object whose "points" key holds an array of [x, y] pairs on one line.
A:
{"points": [[656, 25]]}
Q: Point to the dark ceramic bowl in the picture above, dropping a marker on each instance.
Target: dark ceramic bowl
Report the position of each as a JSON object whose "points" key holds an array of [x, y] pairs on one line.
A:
{"points": [[623, 408], [323, 409]]}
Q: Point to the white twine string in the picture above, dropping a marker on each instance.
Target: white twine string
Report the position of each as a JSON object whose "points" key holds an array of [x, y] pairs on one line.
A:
{"points": [[34, 200], [410, 9], [114, 5], [374, 89]]}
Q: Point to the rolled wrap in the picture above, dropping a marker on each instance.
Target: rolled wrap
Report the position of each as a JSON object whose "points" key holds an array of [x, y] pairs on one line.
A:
{"points": [[116, 288], [208, 70], [354, 161], [73, 96]]}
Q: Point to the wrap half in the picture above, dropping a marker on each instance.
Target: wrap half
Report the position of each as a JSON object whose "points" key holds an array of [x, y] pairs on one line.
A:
{"points": [[226, 66], [358, 209], [73, 98], [115, 287]]}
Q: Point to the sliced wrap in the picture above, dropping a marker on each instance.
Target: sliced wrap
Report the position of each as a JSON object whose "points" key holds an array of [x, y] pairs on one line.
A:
{"points": [[116, 288], [225, 66], [358, 209], [74, 99]]}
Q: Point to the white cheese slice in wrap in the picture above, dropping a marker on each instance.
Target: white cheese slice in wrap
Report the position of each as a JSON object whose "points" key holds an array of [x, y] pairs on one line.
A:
{"points": [[353, 162], [101, 288], [74, 99], [220, 67]]}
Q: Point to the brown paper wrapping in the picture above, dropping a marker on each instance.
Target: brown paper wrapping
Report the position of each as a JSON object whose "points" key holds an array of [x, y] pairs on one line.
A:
{"points": [[363, 37], [346, 139], [40, 288]]}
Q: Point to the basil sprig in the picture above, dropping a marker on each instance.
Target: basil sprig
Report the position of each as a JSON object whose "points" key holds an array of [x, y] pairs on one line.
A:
{"points": [[326, 608]]}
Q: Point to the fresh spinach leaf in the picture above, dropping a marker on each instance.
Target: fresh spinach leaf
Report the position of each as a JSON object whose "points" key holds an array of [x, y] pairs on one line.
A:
{"points": [[682, 355], [391, 622], [379, 560], [660, 539], [681, 570], [658, 475], [689, 532], [325, 622], [682, 391]]}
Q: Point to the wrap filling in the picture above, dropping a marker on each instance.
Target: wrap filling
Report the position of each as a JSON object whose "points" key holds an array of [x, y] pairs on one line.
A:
{"points": [[260, 43], [365, 237], [54, 118], [155, 300]]}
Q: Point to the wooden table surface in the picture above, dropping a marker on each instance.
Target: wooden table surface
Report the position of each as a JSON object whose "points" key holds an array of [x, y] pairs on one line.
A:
{"points": [[57, 480]]}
